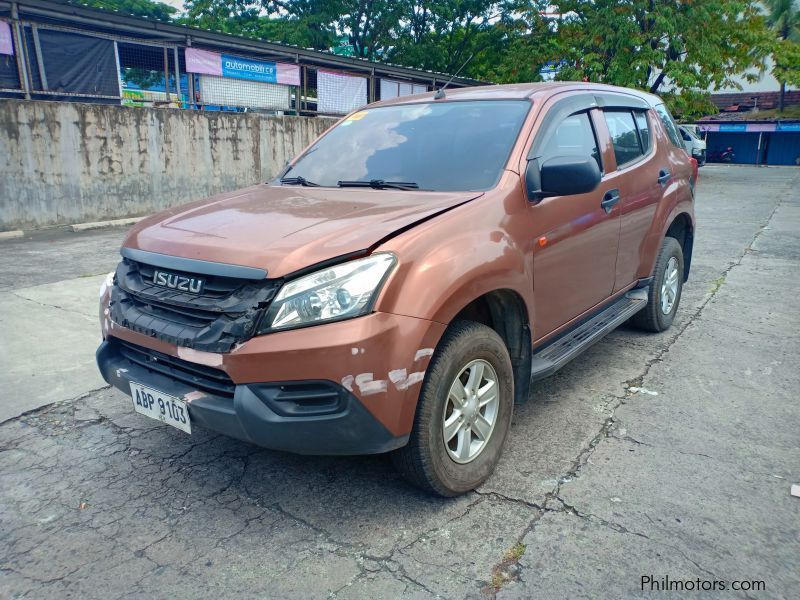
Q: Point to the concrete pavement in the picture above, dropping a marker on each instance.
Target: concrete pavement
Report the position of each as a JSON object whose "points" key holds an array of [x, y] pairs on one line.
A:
{"points": [[649, 456], [49, 285]]}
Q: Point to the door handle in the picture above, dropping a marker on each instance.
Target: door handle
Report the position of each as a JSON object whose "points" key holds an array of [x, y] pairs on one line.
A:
{"points": [[610, 198], [663, 177]]}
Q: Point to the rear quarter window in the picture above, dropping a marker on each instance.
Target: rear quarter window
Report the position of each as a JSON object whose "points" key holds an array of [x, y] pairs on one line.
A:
{"points": [[644, 129], [669, 125]]}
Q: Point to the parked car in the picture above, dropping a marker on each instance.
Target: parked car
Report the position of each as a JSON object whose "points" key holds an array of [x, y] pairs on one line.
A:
{"points": [[693, 144], [409, 276]]}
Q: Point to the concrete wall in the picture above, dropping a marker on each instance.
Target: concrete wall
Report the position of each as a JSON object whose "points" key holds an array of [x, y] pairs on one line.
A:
{"points": [[64, 163]]}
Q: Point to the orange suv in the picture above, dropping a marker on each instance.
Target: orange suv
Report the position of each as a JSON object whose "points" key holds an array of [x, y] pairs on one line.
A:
{"points": [[407, 277]]}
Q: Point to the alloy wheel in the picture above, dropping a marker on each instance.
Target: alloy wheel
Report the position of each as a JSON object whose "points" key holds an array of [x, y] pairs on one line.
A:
{"points": [[471, 410], [669, 286]]}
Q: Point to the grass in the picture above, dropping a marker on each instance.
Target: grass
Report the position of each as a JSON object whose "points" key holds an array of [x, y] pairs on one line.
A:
{"points": [[502, 573], [515, 552], [716, 284]]}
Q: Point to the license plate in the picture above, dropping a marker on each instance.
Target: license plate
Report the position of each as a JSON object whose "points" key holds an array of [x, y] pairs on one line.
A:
{"points": [[160, 406]]}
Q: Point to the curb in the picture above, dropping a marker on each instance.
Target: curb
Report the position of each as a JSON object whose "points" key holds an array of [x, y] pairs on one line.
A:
{"points": [[11, 235], [104, 224]]}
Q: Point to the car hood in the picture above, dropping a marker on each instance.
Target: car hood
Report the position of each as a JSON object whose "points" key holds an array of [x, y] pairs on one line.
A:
{"points": [[282, 229]]}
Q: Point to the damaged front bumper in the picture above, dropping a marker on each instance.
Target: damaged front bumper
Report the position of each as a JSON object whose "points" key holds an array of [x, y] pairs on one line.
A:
{"points": [[349, 387], [305, 417]]}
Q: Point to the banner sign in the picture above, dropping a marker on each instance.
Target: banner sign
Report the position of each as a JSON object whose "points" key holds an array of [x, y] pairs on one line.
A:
{"points": [[6, 47], [203, 61], [759, 127], [733, 127], [749, 127], [225, 65]]}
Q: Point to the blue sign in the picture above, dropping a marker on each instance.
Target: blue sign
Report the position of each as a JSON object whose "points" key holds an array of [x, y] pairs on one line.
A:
{"points": [[788, 126], [550, 69], [245, 68], [740, 127]]}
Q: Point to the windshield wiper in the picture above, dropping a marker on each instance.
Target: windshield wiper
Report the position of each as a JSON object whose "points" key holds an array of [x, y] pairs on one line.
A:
{"points": [[380, 184], [298, 181]]}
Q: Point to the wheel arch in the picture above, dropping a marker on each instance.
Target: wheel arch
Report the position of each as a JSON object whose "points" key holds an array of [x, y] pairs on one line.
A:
{"points": [[682, 229], [505, 311]]}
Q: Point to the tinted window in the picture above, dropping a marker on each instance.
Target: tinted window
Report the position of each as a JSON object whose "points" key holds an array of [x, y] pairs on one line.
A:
{"points": [[624, 137], [669, 125], [644, 129], [573, 136], [448, 146]]}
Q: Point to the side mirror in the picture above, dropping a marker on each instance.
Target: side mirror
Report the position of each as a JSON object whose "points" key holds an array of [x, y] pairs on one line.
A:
{"points": [[562, 176]]}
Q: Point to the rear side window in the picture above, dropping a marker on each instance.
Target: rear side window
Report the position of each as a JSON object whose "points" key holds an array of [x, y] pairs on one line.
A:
{"points": [[624, 136], [574, 136], [669, 125], [644, 129]]}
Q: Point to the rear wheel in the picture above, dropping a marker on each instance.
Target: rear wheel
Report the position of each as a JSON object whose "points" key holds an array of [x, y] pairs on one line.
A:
{"points": [[463, 415], [664, 291]]}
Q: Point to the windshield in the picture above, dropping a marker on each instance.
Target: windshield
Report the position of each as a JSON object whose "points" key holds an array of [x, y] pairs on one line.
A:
{"points": [[444, 146]]}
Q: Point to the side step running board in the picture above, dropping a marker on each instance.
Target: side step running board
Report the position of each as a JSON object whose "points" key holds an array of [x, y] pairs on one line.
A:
{"points": [[549, 359]]}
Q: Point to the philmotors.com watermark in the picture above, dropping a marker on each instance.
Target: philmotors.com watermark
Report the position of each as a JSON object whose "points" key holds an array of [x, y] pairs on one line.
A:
{"points": [[651, 583]]}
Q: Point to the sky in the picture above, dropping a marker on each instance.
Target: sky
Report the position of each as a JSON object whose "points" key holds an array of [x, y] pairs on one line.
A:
{"points": [[176, 3]]}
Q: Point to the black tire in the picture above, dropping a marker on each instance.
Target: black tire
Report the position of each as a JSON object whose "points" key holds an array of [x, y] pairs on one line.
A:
{"points": [[425, 461], [652, 317]]}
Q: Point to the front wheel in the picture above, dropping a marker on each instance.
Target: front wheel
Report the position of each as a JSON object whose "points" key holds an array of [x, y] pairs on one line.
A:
{"points": [[463, 415], [664, 291]]}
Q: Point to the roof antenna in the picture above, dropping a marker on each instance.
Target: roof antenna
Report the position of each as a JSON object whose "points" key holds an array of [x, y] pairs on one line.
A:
{"points": [[440, 92]]}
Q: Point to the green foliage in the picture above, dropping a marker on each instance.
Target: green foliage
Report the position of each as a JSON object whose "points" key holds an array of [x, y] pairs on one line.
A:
{"points": [[144, 78], [137, 8], [440, 35], [787, 62], [507, 39], [663, 45], [784, 19]]}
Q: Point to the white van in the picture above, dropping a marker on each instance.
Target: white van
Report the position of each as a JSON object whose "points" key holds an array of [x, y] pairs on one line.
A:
{"points": [[693, 144]]}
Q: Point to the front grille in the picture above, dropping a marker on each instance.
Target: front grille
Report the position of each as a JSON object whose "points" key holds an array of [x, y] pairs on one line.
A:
{"points": [[201, 377], [224, 314], [217, 289]]}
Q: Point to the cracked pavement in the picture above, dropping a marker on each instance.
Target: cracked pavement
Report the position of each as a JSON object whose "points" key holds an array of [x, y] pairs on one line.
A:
{"points": [[657, 455]]}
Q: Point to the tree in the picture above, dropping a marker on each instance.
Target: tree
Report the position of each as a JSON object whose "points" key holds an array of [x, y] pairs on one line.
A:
{"points": [[441, 34], [370, 25], [784, 18], [503, 37], [310, 20], [137, 8], [663, 46], [304, 23]]}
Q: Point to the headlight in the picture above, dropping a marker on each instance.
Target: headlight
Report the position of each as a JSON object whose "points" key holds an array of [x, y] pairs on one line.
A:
{"points": [[340, 292]]}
